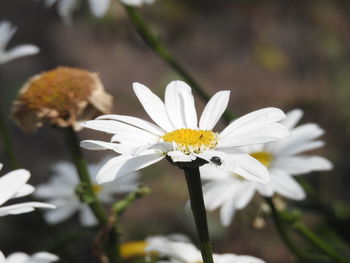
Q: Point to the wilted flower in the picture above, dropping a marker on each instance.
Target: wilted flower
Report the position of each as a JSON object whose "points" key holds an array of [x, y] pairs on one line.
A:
{"points": [[14, 185], [61, 191], [184, 252], [20, 257], [284, 159], [6, 33], [179, 136], [98, 8], [62, 97]]}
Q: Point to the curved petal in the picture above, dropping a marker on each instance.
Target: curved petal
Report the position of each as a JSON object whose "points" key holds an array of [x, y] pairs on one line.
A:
{"points": [[23, 208], [123, 164], [295, 165], [11, 182], [86, 216], [153, 105], [211, 172], [42, 257], [285, 185], [17, 52], [137, 122], [214, 110], [250, 168], [99, 7], [100, 145], [227, 212], [263, 116], [25, 190], [292, 118]]}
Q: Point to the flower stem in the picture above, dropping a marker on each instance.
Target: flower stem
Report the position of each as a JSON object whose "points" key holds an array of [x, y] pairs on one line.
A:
{"points": [[156, 45], [198, 209], [8, 143], [88, 193]]}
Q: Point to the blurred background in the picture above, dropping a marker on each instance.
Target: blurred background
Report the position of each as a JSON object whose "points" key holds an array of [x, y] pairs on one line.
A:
{"points": [[287, 54]]}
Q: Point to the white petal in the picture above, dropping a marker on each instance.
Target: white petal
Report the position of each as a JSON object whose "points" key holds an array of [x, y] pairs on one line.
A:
{"points": [[245, 194], [153, 105], [61, 213], [219, 192], [17, 52], [99, 145], [163, 147], [286, 185], [292, 118], [2, 258], [231, 258], [121, 165], [66, 9], [263, 116], [211, 172], [99, 7], [17, 257], [178, 156], [87, 217], [254, 133], [179, 103], [43, 257], [226, 162], [11, 182], [250, 168], [25, 190], [23, 208], [227, 212], [214, 109], [137, 122], [302, 164]]}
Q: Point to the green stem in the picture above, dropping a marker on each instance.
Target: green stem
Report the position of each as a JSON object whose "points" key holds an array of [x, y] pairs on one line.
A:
{"points": [[155, 44], [198, 209], [8, 142], [88, 193], [319, 243]]}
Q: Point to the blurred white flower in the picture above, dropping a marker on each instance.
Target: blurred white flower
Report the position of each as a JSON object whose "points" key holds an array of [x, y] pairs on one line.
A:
{"points": [[184, 252], [13, 185], [180, 137], [284, 159], [6, 33], [20, 257], [61, 191], [98, 8]]}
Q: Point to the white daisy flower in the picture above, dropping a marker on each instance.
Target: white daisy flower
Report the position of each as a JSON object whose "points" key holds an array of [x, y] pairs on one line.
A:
{"points": [[6, 33], [98, 8], [181, 138], [284, 159], [61, 191], [14, 185], [20, 257], [184, 252]]}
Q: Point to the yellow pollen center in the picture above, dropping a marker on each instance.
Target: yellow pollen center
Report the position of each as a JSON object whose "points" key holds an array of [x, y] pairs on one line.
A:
{"points": [[133, 249], [189, 140], [97, 188], [264, 157]]}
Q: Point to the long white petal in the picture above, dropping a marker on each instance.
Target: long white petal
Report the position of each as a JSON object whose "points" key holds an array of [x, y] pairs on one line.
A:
{"points": [[226, 162], [17, 52], [137, 122], [255, 133], [263, 116], [42, 257], [179, 103], [66, 9], [227, 212], [211, 172], [292, 118], [250, 168], [11, 182], [99, 7], [61, 213], [214, 110], [295, 165], [23, 208], [121, 165], [286, 185], [86, 216], [25, 190], [100, 145], [153, 105]]}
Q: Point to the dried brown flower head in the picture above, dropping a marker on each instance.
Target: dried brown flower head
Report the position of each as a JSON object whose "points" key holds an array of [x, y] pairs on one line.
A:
{"points": [[63, 97]]}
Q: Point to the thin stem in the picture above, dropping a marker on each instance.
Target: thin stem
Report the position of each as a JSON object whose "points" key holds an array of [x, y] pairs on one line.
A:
{"points": [[8, 142], [198, 209], [88, 194], [155, 44], [319, 243]]}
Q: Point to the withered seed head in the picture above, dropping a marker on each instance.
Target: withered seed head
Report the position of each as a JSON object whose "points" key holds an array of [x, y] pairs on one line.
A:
{"points": [[63, 97]]}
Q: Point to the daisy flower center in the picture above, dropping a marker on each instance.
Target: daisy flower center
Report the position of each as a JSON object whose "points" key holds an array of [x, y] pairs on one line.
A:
{"points": [[97, 188], [264, 157], [191, 141]]}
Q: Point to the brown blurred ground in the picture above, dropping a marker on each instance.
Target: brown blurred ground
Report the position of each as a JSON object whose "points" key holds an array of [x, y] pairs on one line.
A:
{"points": [[268, 53]]}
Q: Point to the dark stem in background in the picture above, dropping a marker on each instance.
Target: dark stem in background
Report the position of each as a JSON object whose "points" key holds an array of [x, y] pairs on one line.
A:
{"points": [[88, 193], [156, 45], [8, 142], [194, 185]]}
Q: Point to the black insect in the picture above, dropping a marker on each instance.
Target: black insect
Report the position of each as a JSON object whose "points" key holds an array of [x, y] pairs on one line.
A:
{"points": [[216, 160]]}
